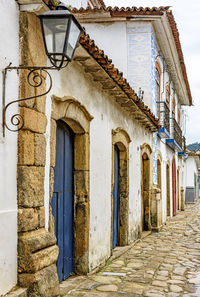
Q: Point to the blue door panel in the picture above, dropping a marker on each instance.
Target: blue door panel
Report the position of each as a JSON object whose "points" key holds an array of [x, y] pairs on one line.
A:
{"points": [[59, 168], [63, 200], [115, 238], [60, 235], [68, 208]]}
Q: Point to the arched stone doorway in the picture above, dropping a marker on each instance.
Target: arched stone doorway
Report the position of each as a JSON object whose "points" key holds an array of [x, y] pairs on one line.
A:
{"points": [[120, 188], [62, 202], [77, 118], [159, 173], [168, 189], [145, 186]]}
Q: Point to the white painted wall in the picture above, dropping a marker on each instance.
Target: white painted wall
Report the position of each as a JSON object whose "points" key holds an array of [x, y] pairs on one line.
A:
{"points": [[9, 52], [139, 58], [191, 169], [76, 3], [107, 116], [112, 38]]}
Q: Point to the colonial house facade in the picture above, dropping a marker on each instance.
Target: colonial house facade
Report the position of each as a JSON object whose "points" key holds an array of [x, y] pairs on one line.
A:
{"points": [[144, 43], [87, 171]]}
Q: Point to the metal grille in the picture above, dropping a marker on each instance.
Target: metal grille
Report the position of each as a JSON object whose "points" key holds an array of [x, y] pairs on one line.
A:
{"points": [[164, 114]]}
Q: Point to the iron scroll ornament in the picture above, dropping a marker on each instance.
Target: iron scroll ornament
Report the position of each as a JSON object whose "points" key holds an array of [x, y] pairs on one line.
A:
{"points": [[36, 77]]}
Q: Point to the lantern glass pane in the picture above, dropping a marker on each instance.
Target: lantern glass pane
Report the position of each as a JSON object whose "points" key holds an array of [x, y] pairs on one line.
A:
{"points": [[72, 40], [55, 31]]}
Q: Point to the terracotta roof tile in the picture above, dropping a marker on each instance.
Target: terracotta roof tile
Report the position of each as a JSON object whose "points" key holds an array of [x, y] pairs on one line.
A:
{"points": [[102, 3], [116, 10], [115, 74]]}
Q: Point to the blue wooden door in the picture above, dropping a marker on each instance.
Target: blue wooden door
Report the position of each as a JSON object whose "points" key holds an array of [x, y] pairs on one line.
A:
{"points": [[63, 200], [115, 238]]}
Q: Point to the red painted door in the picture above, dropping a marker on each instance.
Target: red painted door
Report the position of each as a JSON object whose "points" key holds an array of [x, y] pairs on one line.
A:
{"points": [[174, 186]]}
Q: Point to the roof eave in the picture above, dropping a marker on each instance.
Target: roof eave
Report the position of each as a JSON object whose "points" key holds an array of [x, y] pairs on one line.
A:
{"points": [[160, 17]]}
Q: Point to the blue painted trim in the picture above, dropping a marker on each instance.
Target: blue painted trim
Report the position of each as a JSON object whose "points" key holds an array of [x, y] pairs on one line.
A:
{"points": [[170, 143], [163, 133], [181, 153], [173, 144]]}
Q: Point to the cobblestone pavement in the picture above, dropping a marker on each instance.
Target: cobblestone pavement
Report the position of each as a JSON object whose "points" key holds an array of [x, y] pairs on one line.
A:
{"points": [[161, 264]]}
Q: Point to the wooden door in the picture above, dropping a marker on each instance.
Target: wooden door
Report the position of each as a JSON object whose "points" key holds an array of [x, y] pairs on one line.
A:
{"points": [[115, 229], [168, 189], [174, 186], [63, 200], [178, 197]]}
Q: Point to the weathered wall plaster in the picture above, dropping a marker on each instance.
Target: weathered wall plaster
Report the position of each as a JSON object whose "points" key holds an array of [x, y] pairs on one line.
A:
{"points": [[107, 117], [9, 52]]}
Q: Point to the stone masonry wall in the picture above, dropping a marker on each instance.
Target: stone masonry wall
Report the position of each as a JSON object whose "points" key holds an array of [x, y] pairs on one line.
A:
{"points": [[37, 250]]}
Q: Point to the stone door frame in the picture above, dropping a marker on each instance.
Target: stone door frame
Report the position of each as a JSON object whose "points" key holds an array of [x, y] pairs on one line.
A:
{"points": [[121, 139], [168, 200], [75, 115], [146, 152]]}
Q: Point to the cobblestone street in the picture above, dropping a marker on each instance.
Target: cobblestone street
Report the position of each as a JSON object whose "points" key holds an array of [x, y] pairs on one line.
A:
{"points": [[161, 264]]}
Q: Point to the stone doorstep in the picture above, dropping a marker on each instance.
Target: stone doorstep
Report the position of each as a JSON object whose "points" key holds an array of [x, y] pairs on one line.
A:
{"points": [[119, 251], [17, 292]]}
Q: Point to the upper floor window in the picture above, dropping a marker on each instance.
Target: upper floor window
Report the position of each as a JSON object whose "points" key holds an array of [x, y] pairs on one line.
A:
{"points": [[173, 107], [157, 76], [179, 117], [167, 97], [157, 79]]}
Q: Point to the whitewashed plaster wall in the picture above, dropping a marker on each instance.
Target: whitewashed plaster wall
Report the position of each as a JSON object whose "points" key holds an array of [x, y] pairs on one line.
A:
{"points": [[166, 155], [111, 37], [76, 3], [140, 58], [73, 81], [191, 169], [9, 52], [129, 47]]}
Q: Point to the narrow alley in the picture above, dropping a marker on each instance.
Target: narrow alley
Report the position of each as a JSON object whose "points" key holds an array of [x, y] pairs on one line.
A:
{"points": [[161, 264]]}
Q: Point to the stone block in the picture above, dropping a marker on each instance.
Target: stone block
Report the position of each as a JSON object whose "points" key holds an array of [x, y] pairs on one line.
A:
{"points": [[31, 40], [40, 102], [81, 237], [51, 183], [33, 120], [38, 260], [36, 250], [53, 143], [27, 219], [41, 217], [26, 90], [17, 292], [82, 185], [40, 150], [33, 84], [35, 240], [156, 209], [81, 152], [30, 186], [25, 148], [43, 283], [182, 199], [51, 222]]}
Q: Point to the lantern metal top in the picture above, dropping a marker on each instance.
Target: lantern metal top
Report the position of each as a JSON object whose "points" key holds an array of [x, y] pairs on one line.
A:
{"points": [[61, 32]]}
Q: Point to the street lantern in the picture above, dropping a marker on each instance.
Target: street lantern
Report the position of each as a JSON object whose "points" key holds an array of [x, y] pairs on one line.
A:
{"points": [[61, 32]]}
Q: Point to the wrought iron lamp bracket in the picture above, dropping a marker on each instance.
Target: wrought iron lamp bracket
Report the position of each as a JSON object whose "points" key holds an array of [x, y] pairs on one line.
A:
{"points": [[36, 77]]}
